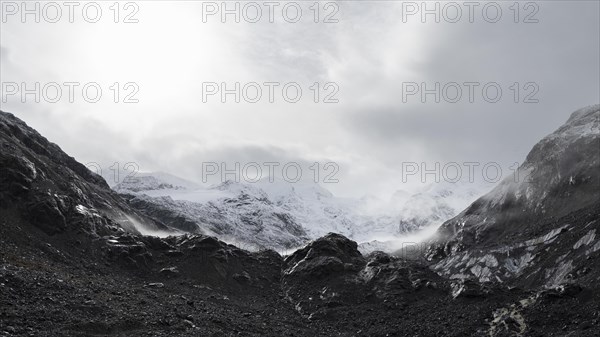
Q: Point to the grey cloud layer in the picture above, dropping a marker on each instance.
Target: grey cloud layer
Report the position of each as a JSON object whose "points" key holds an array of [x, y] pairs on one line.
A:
{"points": [[369, 53]]}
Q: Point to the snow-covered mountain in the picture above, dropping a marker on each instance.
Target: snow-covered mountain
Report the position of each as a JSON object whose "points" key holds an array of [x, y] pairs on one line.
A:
{"points": [[276, 214]]}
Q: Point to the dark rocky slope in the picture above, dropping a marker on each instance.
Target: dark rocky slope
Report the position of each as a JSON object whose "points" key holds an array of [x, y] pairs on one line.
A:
{"points": [[94, 274], [55, 192], [539, 230]]}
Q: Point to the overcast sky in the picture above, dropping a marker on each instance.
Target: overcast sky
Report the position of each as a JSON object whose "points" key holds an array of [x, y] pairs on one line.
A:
{"points": [[373, 53]]}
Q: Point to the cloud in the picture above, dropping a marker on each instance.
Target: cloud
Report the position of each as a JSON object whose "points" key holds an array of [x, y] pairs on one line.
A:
{"points": [[369, 54]]}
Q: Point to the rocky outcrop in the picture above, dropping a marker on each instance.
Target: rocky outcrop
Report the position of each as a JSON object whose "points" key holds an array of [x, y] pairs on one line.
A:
{"points": [[329, 275]]}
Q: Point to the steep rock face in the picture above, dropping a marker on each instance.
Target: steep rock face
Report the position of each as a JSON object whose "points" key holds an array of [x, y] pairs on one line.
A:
{"points": [[532, 222], [52, 190]]}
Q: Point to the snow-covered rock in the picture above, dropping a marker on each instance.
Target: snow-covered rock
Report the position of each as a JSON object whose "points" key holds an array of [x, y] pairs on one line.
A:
{"points": [[273, 213]]}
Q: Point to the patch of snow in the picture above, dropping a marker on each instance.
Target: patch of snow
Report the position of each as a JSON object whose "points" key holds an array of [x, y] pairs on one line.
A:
{"points": [[586, 239]]}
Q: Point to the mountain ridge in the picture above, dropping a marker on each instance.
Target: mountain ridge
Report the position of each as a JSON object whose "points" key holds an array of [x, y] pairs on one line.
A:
{"points": [[520, 218]]}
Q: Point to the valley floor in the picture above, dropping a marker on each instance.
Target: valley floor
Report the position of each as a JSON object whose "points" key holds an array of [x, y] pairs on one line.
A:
{"points": [[48, 290]]}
